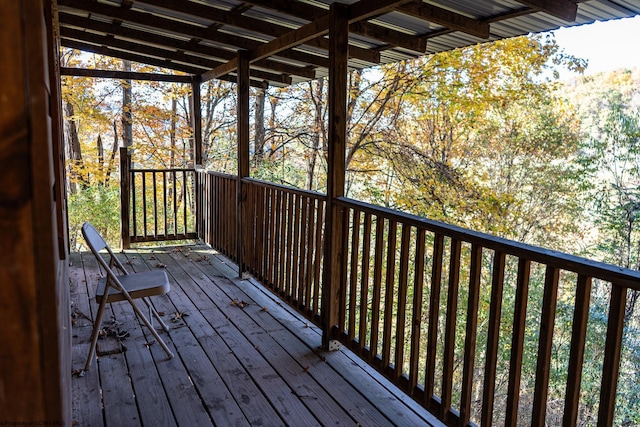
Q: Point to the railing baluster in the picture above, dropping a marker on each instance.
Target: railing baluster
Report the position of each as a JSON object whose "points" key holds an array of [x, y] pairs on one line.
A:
{"points": [[283, 242], [416, 318], [450, 327], [353, 282], [308, 277], [144, 203], [277, 255], [613, 348], [155, 205], [260, 216], [517, 341], [318, 259], [545, 342], [470, 333], [271, 248], [489, 385], [401, 319], [377, 285], [289, 266], [389, 292], [164, 202], [434, 313], [295, 258], [302, 254], [576, 355], [184, 200], [364, 282], [175, 203], [134, 218]]}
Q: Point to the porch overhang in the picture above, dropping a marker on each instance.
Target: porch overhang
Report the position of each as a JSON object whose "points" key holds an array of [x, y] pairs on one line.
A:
{"points": [[287, 40]]}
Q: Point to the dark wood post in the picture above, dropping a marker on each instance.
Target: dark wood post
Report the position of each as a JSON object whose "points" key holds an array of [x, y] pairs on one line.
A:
{"points": [[196, 129], [243, 150], [196, 121], [333, 271], [125, 188]]}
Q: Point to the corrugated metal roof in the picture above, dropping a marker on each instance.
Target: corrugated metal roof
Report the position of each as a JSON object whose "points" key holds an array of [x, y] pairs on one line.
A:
{"points": [[194, 36]]}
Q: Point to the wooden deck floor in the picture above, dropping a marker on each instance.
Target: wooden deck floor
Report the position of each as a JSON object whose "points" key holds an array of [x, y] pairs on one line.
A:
{"points": [[235, 364]]}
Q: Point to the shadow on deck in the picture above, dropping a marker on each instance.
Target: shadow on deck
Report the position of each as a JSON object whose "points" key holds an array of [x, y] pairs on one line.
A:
{"points": [[242, 357]]}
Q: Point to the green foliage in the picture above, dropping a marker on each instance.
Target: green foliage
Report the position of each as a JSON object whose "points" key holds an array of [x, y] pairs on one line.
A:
{"points": [[99, 205]]}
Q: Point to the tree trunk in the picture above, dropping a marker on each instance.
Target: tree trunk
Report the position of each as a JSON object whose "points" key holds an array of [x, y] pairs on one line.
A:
{"points": [[74, 150], [318, 142], [127, 119], [258, 151], [172, 133], [114, 150], [100, 167]]}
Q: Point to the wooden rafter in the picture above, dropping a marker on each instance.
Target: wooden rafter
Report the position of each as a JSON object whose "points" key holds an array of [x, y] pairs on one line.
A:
{"points": [[211, 33], [564, 9], [185, 46], [446, 18], [125, 75], [358, 11], [175, 57], [310, 12]]}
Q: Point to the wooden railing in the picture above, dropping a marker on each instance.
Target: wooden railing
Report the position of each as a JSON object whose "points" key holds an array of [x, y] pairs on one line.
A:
{"points": [[157, 204], [476, 328], [284, 242], [451, 316], [218, 212]]}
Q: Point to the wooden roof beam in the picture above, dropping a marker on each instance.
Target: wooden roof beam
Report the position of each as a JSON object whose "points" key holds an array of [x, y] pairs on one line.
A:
{"points": [[357, 11], [143, 59], [104, 50], [362, 28], [174, 43], [126, 75], [566, 10], [446, 18], [173, 56], [210, 33]]}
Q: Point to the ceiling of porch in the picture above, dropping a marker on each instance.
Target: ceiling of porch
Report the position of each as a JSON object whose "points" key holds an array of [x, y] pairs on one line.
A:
{"points": [[287, 39]]}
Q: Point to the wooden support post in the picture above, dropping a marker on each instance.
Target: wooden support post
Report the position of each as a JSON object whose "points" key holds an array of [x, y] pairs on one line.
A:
{"points": [[196, 129], [333, 271], [243, 151], [125, 194], [196, 122]]}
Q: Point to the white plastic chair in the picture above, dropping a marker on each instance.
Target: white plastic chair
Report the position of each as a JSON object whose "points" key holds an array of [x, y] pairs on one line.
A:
{"points": [[121, 287]]}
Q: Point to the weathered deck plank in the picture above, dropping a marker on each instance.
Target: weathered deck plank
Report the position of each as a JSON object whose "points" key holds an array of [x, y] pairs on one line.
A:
{"points": [[256, 365]]}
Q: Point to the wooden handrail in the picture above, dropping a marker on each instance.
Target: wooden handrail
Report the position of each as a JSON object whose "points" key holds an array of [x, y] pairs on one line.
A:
{"points": [[595, 269]]}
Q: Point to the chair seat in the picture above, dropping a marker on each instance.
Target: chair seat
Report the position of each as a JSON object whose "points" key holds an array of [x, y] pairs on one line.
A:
{"points": [[138, 285]]}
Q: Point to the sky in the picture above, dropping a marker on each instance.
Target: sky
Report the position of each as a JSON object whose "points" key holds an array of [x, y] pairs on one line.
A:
{"points": [[607, 45]]}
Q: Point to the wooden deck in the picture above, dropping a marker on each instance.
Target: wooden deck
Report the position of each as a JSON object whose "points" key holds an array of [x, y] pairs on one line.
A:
{"points": [[241, 357]]}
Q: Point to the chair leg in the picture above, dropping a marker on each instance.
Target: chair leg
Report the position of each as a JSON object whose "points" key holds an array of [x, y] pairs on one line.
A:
{"points": [[96, 330], [152, 311], [150, 327]]}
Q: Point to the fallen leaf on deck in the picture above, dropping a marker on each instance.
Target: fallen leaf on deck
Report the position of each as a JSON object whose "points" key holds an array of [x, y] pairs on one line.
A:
{"points": [[152, 258], [161, 265], [239, 304], [178, 315], [264, 309], [149, 343]]}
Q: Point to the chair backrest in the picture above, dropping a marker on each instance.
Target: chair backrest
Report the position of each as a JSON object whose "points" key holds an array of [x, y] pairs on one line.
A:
{"points": [[96, 244], [93, 238]]}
